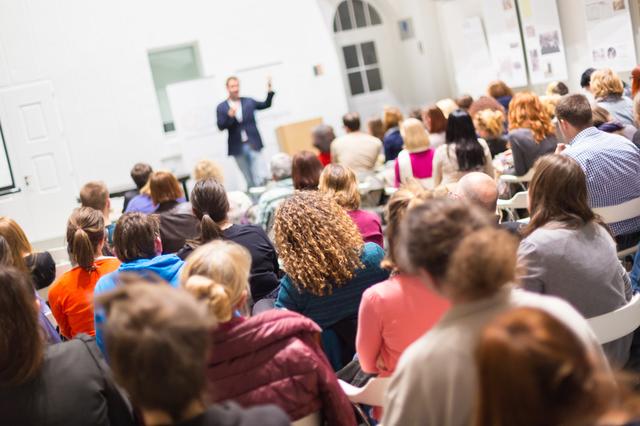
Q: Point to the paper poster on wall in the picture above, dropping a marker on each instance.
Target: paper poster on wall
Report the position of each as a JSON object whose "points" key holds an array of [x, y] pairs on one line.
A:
{"points": [[543, 41], [473, 61], [503, 37], [610, 34]]}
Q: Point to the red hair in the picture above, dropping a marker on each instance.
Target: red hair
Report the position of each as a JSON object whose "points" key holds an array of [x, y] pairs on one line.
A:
{"points": [[635, 81]]}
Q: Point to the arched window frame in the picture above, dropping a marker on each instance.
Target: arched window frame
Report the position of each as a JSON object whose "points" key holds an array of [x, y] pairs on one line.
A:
{"points": [[355, 14]]}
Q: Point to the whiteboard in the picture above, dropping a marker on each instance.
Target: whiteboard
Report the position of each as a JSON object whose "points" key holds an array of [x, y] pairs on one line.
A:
{"points": [[6, 175]]}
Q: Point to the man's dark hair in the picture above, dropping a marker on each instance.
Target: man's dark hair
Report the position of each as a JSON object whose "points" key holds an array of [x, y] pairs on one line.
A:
{"points": [[135, 236], [140, 174], [560, 89], [351, 121], [233, 77], [576, 110], [585, 78]]}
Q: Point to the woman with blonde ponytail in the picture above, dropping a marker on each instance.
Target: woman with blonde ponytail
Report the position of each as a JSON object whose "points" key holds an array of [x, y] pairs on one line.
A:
{"points": [[71, 296], [455, 249], [273, 357]]}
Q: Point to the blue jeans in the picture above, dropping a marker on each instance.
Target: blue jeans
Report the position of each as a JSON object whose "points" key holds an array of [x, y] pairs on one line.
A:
{"points": [[248, 164]]}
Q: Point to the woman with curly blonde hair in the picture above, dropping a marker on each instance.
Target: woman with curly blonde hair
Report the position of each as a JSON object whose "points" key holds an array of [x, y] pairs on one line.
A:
{"points": [[327, 265], [490, 126], [608, 90], [531, 132]]}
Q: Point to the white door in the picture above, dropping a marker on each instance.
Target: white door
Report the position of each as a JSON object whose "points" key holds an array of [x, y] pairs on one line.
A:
{"points": [[41, 166]]}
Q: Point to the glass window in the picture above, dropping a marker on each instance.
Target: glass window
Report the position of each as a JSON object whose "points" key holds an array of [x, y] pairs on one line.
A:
{"points": [[355, 83], [345, 17], [170, 66], [374, 17], [350, 56], [369, 53], [335, 24], [374, 79], [358, 13], [362, 12]]}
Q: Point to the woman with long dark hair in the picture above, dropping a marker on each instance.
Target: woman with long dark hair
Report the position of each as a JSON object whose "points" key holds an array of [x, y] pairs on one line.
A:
{"points": [[462, 153]]}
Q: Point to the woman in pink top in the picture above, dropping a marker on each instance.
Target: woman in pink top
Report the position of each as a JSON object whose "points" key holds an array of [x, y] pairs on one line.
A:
{"points": [[416, 160], [341, 183], [395, 313]]}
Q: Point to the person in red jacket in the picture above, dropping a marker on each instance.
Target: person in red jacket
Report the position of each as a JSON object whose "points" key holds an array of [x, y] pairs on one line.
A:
{"points": [[274, 357]]}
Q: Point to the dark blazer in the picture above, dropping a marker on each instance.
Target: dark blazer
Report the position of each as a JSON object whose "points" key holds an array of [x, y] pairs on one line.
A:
{"points": [[249, 107]]}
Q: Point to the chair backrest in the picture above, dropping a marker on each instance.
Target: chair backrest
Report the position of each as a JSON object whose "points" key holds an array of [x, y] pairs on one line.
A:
{"points": [[518, 201], [616, 324], [370, 394], [620, 212], [518, 179], [313, 419]]}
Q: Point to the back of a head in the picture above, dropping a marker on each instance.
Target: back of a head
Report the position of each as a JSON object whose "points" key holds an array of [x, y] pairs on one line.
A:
{"points": [[575, 110], [462, 132], [164, 187], [21, 343], [499, 89], [558, 192], [447, 106], [156, 340], [526, 112], [491, 122], [85, 233], [391, 117], [480, 189], [605, 82], [95, 195], [6, 255], [211, 205], [135, 236], [635, 81], [280, 166], [218, 274], [431, 232], [375, 126], [351, 121], [464, 102], [305, 171], [533, 370], [17, 242], [600, 116], [317, 242], [206, 169], [557, 88], [434, 119], [140, 174], [585, 78], [341, 183], [414, 135]]}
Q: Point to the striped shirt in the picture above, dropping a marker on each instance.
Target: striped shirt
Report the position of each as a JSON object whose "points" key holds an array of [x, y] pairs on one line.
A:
{"points": [[612, 166]]}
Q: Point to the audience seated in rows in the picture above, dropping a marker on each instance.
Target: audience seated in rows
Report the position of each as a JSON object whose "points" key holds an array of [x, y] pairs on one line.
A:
{"points": [[279, 188], [462, 153], [436, 124], [305, 171], [140, 173], [210, 207], [392, 140], [322, 137], [95, 195], [531, 132], [65, 384], [278, 349], [177, 222], [138, 245], [157, 347], [415, 161], [568, 251], [71, 295], [455, 249], [610, 162], [490, 127], [357, 150], [608, 91], [341, 184]]}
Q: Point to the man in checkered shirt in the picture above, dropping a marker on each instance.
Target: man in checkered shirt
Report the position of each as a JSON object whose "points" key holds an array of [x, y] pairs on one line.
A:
{"points": [[610, 162]]}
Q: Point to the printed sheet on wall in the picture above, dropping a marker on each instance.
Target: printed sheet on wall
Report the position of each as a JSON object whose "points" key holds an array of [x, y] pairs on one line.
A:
{"points": [[543, 42], [610, 34]]}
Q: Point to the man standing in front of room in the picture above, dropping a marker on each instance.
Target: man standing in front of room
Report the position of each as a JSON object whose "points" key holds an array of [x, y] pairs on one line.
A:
{"points": [[237, 115]]}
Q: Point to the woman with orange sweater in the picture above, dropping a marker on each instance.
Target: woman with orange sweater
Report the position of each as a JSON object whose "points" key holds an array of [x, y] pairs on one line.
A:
{"points": [[71, 296]]}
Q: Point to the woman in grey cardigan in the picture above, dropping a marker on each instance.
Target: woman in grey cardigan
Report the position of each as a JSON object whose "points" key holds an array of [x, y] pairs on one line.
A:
{"points": [[568, 251]]}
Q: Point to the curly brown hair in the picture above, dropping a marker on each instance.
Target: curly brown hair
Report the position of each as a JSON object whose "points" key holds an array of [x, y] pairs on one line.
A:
{"points": [[317, 241]]}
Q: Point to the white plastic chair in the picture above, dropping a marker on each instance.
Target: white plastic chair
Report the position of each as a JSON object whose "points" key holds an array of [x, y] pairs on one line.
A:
{"points": [[518, 201], [616, 324], [618, 213], [520, 180], [370, 394], [313, 419]]}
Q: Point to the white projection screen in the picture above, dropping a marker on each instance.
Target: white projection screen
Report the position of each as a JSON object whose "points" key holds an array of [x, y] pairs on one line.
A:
{"points": [[6, 175]]}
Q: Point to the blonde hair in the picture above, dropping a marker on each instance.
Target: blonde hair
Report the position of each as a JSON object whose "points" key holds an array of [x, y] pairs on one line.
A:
{"points": [[317, 242], [206, 168], [490, 121], [17, 241], [391, 117], [550, 102], [526, 112], [447, 106], [218, 274], [606, 82], [414, 135], [340, 183]]}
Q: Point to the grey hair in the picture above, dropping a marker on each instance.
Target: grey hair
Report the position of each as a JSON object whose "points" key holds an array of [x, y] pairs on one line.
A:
{"points": [[281, 166]]}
